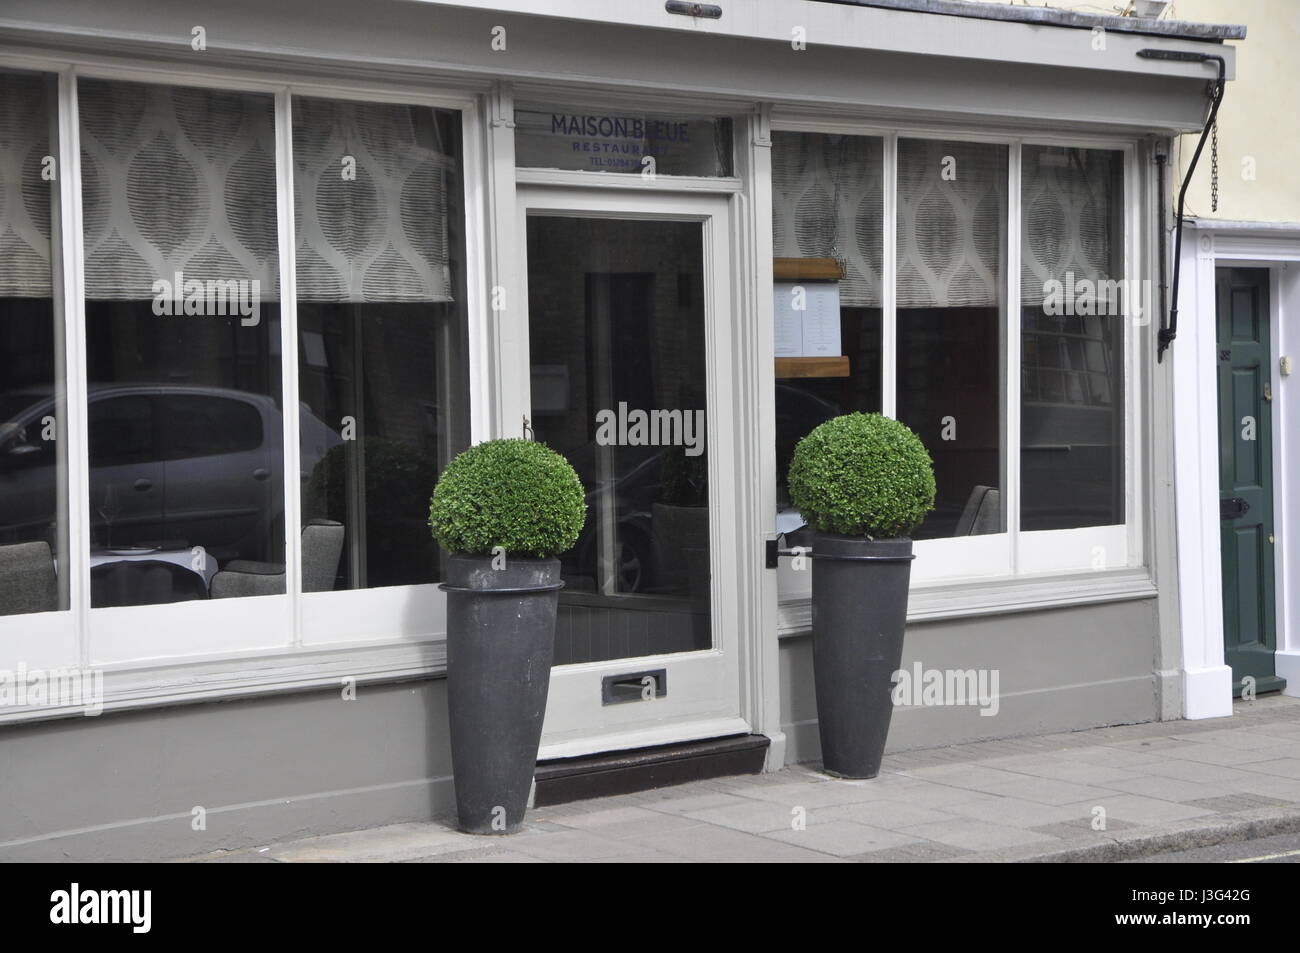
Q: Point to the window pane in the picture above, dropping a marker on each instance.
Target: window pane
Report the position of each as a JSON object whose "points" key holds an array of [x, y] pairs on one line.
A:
{"points": [[617, 345], [382, 352], [33, 470], [593, 140], [182, 342], [1073, 300], [827, 194], [951, 249]]}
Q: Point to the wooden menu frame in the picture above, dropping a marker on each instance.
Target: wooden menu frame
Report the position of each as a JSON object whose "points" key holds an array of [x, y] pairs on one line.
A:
{"points": [[809, 269]]}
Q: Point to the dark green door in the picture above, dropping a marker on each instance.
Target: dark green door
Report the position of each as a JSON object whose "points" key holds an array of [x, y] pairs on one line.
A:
{"points": [[1246, 476]]}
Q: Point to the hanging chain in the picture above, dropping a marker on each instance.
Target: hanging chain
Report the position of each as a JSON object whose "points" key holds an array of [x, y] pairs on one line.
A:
{"points": [[1214, 166]]}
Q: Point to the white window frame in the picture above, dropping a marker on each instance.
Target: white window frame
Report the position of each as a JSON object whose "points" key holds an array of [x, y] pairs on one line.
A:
{"points": [[187, 651], [981, 574]]}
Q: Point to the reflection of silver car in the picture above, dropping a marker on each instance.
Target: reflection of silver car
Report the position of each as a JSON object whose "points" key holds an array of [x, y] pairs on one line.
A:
{"points": [[170, 465]]}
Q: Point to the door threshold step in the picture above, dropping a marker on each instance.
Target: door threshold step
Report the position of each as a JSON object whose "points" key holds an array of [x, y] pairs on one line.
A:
{"points": [[1264, 684], [643, 769]]}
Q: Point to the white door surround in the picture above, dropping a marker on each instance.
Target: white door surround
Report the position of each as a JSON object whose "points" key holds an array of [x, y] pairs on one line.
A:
{"points": [[704, 697], [1207, 245]]}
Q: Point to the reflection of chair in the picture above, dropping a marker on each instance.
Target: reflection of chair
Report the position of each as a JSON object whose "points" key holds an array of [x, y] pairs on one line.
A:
{"points": [[27, 582], [143, 582], [322, 545], [982, 514]]}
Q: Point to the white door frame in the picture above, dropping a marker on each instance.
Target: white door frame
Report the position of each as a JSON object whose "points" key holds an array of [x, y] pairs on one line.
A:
{"points": [[1207, 680], [704, 697]]}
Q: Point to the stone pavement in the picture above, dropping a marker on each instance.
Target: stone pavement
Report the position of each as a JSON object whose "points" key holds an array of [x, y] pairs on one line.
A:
{"points": [[1163, 786]]}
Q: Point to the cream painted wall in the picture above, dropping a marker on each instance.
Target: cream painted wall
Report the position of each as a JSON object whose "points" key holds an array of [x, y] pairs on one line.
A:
{"points": [[1259, 121]]}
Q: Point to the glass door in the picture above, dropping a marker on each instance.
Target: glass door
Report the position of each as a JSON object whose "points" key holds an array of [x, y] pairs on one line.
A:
{"points": [[629, 364]]}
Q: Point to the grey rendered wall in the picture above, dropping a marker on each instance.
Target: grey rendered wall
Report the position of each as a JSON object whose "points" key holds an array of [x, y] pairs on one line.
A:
{"points": [[124, 786], [1058, 670]]}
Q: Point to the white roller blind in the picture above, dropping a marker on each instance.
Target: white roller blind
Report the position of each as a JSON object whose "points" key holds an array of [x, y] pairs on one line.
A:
{"points": [[176, 179], [26, 109], [371, 182], [827, 202], [952, 213], [1070, 217]]}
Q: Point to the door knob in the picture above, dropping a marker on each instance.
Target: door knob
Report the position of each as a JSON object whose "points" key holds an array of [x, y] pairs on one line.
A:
{"points": [[261, 473], [142, 484]]}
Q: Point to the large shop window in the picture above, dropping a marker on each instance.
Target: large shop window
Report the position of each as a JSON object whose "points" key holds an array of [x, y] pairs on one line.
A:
{"points": [[952, 241], [182, 339], [1073, 306], [33, 461], [942, 310], [381, 333], [192, 477], [826, 204]]}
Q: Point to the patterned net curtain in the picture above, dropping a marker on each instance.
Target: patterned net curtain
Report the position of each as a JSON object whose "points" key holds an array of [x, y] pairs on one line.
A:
{"points": [[24, 196], [372, 222], [176, 179], [827, 203], [952, 201], [1068, 199], [1071, 231]]}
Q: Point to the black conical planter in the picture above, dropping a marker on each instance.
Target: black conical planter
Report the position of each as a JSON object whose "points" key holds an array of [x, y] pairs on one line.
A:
{"points": [[859, 610], [500, 642]]}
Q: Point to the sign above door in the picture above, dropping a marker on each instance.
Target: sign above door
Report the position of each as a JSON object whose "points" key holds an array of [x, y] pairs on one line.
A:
{"points": [[593, 140]]}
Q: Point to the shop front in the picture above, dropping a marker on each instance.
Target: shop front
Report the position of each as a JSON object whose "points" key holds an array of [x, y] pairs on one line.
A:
{"points": [[667, 246]]}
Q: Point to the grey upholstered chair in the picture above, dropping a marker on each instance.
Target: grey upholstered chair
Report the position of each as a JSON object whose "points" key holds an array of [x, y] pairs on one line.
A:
{"points": [[983, 513], [322, 546], [27, 580]]}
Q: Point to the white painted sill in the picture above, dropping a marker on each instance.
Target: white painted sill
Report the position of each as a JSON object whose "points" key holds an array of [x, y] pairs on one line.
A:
{"points": [[1021, 593], [223, 678], [211, 679]]}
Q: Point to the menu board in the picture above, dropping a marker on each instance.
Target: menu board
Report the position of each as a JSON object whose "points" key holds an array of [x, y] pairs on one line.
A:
{"points": [[812, 330]]}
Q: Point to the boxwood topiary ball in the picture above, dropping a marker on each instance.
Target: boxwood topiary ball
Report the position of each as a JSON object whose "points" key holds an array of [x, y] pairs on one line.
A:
{"points": [[862, 475], [517, 494]]}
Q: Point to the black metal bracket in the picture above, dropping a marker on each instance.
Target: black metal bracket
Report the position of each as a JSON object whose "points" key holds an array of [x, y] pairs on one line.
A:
{"points": [[1169, 325], [775, 552]]}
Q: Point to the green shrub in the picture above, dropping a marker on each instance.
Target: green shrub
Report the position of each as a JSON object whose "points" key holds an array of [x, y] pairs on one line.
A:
{"points": [[862, 475], [517, 494]]}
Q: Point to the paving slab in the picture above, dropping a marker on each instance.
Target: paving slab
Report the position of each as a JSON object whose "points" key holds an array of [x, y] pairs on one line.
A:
{"points": [[977, 835], [887, 814], [843, 839]]}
